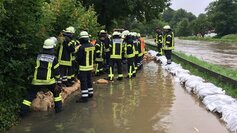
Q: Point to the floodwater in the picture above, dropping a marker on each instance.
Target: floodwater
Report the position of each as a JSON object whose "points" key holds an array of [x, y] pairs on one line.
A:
{"points": [[224, 54], [151, 103]]}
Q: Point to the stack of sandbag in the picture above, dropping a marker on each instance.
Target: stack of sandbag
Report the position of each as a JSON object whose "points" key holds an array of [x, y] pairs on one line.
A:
{"points": [[213, 97], [66, 91], [150, 56], [45, 101]]}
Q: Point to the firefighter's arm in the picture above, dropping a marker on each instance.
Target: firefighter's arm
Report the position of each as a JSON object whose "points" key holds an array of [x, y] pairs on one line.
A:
{"points": [[79, 54]]}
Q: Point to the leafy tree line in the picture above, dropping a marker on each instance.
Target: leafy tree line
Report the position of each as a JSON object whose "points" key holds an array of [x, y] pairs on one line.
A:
{"points": [[24, 25]]}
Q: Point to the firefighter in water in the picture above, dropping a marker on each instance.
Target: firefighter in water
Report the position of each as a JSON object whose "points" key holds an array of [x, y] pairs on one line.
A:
{"points": [[140, 52], [65, 56], [129, 51], [116, 51], [100, 53], [159, 41], [85, 59], [135, 45], [46, 76], [168, 43]]}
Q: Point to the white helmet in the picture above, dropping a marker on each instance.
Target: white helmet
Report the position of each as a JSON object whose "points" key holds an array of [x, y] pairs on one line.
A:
{"points": [[138, 34], [134, 33], [167, 27], [102, 31], [116, 33], [84, 34], [70, 29], [49, 44], [125, 33], [55, 40]]}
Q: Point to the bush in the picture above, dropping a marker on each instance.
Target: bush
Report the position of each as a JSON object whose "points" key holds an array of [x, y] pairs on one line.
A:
{"points": [[24, 25]]}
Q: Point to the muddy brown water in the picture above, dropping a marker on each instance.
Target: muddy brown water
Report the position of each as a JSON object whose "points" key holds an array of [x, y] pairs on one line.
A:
{"points": [[224, 54], [151, 103]]}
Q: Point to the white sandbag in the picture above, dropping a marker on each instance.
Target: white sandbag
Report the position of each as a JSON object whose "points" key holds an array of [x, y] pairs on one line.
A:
{"points": [[217, 102], [202, 86], [210, 91], [192, 83], [152, 53], [229, 115], [162, 59]]}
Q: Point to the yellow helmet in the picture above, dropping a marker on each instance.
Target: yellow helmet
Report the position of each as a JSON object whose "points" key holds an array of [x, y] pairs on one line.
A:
{"points": [[70, 29], [84, 34], [49, 44], [167, 27]]}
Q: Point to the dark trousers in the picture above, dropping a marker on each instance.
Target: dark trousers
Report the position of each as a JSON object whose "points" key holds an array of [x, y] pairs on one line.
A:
{"points": [[64, 72], [131, 69], [168, 54], [118, 62], [73, 71], [107, 60], [86, 84], [159, 49], [99, 67], [31, 95], [139, 64]]}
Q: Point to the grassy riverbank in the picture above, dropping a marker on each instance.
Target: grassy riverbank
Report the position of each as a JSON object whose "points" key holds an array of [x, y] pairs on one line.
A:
{"points": [[232, 38], [230, 90]]}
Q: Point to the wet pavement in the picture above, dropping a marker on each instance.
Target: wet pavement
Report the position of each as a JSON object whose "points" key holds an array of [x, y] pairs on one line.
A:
{"points": [[224, 54], [151, 103]]}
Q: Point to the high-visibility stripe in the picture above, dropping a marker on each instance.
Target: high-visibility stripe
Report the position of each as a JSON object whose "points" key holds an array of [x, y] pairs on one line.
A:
{"points": [[56, 66], [49, 72], [111, 75], [84, 91], [130, 72], [85, 95], [99, 59], [90, 89], [26, 102], [86, 68], [43, 82], [120, 75], [36, 69], [57, 99]]}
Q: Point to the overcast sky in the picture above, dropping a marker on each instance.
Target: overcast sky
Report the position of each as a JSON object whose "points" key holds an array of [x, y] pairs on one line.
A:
{"points": [[194, 6]]}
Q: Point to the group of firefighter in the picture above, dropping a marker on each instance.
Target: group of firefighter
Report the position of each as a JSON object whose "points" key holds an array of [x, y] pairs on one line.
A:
{"points": [[76, 58]]}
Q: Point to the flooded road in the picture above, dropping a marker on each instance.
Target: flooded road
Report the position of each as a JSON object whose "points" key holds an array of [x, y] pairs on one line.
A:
{"points": [[224, 54], [151, 103]]}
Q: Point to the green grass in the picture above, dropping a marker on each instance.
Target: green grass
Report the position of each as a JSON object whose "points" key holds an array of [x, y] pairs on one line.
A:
{"points": [[232, 38], [230, 90]]}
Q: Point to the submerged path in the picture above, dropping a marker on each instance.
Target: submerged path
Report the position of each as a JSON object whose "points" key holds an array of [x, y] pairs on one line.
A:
{"points": [[151, 103]]}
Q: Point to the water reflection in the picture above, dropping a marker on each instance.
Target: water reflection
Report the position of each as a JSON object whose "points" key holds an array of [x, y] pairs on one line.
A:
{"points": [[130, 106]]}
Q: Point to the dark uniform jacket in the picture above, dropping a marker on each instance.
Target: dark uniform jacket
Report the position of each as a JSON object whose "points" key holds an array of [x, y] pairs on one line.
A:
{"points": [[47, 69], [99, 51], [85, 56], [116, 48], [66, 50]]}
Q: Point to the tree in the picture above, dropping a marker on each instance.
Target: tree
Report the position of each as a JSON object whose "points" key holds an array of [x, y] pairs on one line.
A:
{"points": [[183, 28], [110, 11], [223, 16], [201, 25]]}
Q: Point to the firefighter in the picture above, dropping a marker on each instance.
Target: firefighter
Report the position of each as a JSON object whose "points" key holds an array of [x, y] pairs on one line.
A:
{"points": [[135, 45], [168, 43], [46, 76], [140, 52], [65, 55], [85, 58], [107, 52], [100, 53], [116, 51], [129, 54], [159, 41]]}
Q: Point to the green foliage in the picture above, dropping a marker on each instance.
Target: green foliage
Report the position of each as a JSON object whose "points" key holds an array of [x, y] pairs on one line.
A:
{"points": [[183, 28], [223, 15], [111, 11], [201, 25], [24, 25]]}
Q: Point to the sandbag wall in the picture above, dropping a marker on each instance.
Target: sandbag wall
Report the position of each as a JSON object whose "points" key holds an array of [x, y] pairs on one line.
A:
{"points": [[213, 97], [45, 101]]}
